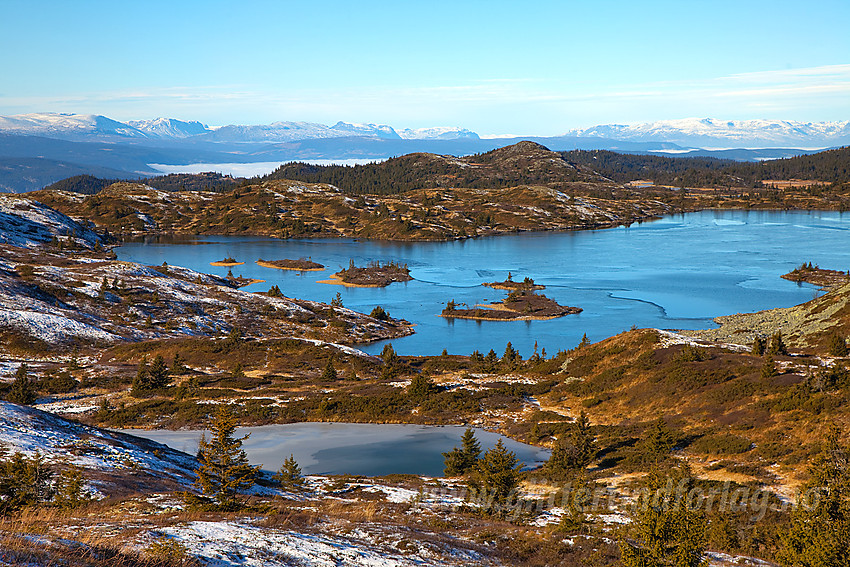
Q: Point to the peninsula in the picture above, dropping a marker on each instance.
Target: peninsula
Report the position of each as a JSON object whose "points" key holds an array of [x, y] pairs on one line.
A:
{"points": [[818, 276]]}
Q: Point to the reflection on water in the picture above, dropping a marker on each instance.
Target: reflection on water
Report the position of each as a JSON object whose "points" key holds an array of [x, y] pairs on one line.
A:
{"points": [[352, 448], [677, 272]]}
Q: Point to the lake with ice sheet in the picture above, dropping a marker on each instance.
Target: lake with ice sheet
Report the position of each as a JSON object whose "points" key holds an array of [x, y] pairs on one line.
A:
{"points": [[677, 272]]}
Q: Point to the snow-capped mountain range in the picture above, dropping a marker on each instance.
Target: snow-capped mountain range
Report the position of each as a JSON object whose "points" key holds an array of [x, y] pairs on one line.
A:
{"points": [[710, 133], [169, 127], [707, 133], [67, 126], [77, 127]]}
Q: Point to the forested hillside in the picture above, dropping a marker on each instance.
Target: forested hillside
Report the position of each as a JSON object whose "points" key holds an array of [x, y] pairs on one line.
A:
{"points": [[830, 166], [90, 185], [525, 163]]}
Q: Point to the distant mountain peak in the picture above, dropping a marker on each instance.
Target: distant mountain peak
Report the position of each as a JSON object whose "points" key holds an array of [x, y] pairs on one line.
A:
{"points": [[438, 133], [378, 130], [716, 133], [69, 126], [170, 127], [66, 125]]}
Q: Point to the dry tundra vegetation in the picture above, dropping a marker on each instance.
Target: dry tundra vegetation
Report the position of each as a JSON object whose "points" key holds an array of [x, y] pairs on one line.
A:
{"points": [[739, 420]]}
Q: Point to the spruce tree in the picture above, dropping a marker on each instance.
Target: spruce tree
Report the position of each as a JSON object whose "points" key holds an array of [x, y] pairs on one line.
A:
{"points": [[24, 481], [23, 390], [768, 368], [421, 387], [776, 344], [224, 469], [158, 374], [391, 363], [177, 365], [142, 381], [464, 459], [388, 355], [837, 345], [498, 473], [234, 337], [329, 373], [70, 489], [510, 355], [573, 451], [819, 535], [657, 443], [665, 530], [237, 373], [289, 474]]}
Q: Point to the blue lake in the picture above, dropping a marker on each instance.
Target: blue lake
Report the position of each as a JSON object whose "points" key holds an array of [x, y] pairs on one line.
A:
{"points": [[678, 272]]}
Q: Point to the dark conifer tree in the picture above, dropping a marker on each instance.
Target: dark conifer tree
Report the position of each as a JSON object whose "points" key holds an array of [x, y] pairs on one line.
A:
{"points": [[498, 473], [23, 390], [665, 530], [224, 470], [289, 474], [329, 373], [573, 451], [837, 345], [820, 530]]}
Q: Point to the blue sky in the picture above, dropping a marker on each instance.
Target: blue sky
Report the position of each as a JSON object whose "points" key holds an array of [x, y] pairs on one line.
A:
{"points": [[494, 67]]}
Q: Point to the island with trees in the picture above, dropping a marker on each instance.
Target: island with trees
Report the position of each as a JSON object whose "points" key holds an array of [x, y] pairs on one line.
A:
{"points": [[375, 274], [518, 305], [227, 262], [527, 284], [299, 265]]}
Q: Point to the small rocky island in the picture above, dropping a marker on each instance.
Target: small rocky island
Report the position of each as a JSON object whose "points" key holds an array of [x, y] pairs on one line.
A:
{"points": [[373, 275], [299, 265], [518, 305], [818, 276], [510, 285], [227, 262]]}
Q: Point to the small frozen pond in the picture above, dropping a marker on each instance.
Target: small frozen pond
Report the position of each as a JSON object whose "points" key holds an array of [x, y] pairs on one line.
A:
{"points": [[352, 448]]}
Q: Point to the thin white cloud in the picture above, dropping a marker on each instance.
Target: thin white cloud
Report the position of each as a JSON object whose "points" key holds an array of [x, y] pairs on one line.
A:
{"points": [[510, 104], [825, 71]]}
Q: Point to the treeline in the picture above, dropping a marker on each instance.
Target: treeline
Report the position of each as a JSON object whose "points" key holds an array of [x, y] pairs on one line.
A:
{"points": [[91, 185], [396, 175], [83, 184], [622, 168], [830, 166]]}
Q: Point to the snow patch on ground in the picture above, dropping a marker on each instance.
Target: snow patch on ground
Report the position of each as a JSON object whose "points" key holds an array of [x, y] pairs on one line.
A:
{"points": [[670, 338], [28, 224], [30, 431], [52, 328], [227, 543]]}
